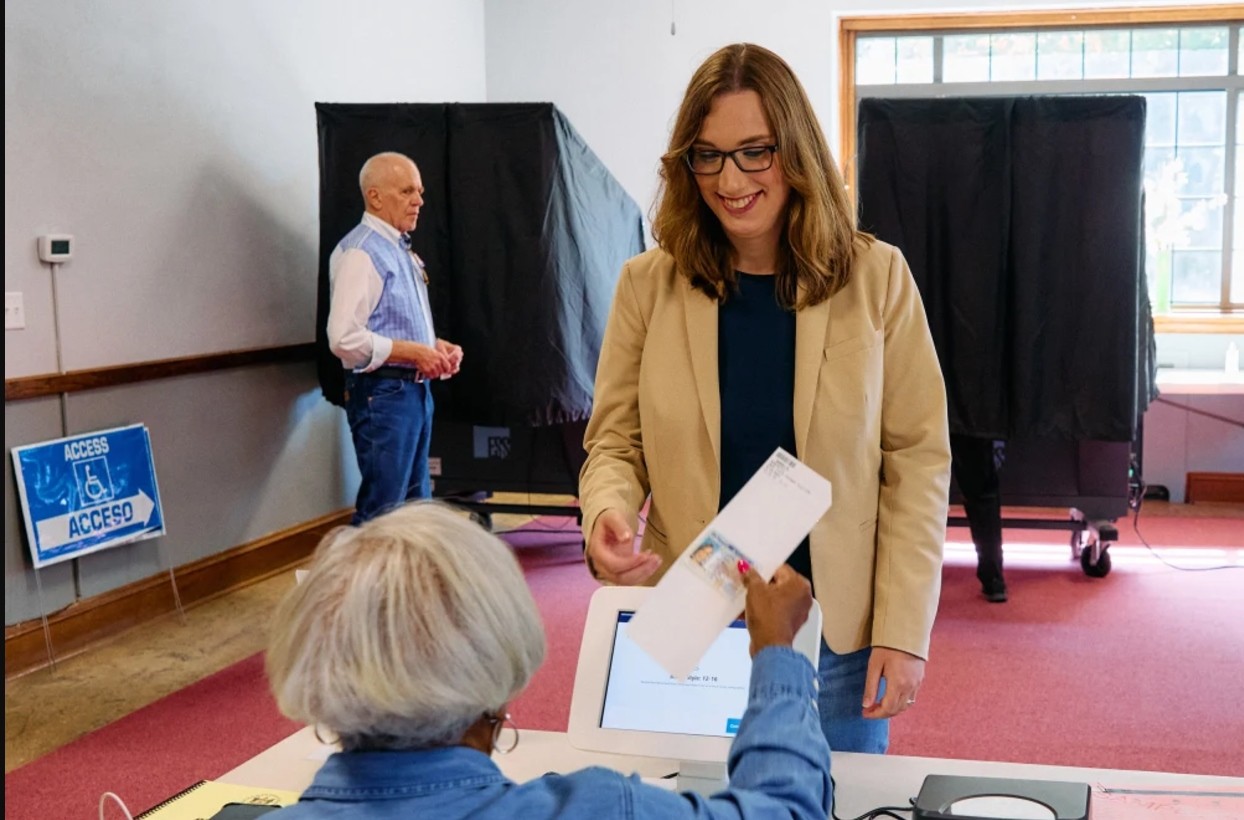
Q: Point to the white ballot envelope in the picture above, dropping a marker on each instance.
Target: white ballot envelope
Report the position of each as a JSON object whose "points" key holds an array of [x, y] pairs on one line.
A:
{"points": [[703, 591]]}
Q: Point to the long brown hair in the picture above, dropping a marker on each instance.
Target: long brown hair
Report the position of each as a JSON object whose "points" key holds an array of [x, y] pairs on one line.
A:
{"points": [[821, 235]]}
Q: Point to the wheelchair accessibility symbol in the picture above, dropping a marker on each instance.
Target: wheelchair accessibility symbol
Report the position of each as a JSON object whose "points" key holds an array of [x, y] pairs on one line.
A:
{"points": [[94, 481]]}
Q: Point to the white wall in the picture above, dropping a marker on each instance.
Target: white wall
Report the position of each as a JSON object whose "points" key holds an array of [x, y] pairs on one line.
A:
{"points": [[176, 141], [619, 74]]}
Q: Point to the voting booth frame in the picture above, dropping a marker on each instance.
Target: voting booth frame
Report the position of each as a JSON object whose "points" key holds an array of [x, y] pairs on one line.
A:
{"points": [[523, 233], [1034, 291]]}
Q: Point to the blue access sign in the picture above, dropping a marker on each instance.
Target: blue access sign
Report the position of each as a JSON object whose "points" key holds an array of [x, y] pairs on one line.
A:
{"points": [[87, 493]]}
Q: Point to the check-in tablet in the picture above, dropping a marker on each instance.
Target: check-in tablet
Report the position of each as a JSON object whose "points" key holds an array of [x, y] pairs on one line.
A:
{"points": [[626, 703]]}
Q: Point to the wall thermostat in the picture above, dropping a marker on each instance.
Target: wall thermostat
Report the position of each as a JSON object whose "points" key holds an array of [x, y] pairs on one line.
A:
{"points": [[55, 247]]}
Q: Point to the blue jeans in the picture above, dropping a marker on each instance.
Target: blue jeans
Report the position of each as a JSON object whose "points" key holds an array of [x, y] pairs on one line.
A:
{"points": [[840, 702], [391, 424]]}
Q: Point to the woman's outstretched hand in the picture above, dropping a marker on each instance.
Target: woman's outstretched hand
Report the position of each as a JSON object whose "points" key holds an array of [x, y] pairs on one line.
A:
{"points": [[612, 555]]}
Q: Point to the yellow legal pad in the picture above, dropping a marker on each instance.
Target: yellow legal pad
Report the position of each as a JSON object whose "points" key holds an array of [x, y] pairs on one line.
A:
{"points": [[205, 798]]}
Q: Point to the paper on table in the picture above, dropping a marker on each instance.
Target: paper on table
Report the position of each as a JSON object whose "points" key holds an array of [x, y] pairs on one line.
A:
{"points": [[1217, 802], [703, 592]]}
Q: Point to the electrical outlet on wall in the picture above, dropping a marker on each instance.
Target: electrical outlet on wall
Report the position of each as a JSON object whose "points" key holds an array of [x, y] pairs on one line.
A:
{"points": [[14, 310]]}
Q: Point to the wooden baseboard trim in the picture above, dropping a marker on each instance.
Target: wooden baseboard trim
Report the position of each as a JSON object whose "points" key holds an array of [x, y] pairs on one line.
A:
{"points": [[1228, 487], [91, 620]]}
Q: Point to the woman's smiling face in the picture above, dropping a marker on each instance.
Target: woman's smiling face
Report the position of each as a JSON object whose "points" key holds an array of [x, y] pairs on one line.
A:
{"points": [[751, 206]]}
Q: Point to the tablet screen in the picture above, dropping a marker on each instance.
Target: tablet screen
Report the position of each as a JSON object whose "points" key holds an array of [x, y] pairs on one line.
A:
{"points": [[641, 696]]}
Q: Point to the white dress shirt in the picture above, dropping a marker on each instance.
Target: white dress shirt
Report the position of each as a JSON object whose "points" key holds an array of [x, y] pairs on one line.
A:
{"points": [[356, 287]]}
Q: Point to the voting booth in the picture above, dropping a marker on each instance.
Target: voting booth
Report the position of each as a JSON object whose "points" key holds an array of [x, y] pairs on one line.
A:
{"points": [[1022, 220], [524, 232]]}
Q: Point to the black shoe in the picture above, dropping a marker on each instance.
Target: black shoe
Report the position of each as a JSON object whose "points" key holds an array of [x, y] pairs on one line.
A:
{"points": [[995, 591]]}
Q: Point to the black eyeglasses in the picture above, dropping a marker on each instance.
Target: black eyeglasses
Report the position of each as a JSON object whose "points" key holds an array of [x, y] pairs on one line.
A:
{"points": [[749, 159]]}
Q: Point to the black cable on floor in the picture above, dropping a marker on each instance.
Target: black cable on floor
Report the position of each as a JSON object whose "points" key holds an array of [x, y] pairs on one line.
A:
{"points": [[1156, 554]]}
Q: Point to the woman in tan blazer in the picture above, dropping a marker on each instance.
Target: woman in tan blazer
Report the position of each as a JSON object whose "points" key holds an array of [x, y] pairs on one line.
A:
{"points": [[764, 319]]}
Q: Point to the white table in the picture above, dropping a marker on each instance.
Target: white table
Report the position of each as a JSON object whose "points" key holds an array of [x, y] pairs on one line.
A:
{"points": [[864, 781], [1199, 382]]}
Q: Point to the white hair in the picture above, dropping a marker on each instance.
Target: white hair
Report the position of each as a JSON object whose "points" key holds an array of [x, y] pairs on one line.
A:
{"points": [[376, 166], [407, 630]]}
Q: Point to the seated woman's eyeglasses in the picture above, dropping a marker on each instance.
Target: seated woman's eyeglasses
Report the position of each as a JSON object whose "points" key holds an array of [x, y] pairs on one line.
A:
{"points": [[749, 159]]}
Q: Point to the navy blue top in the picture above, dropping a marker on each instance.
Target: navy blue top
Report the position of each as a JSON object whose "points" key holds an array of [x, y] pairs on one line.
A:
{"points": [[756, 372]]}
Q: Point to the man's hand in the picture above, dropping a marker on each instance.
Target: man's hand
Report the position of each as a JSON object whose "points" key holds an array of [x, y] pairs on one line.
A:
{"points": [[611, 552], [903, 675], [777, 609], [431, 362], [454, 354]]}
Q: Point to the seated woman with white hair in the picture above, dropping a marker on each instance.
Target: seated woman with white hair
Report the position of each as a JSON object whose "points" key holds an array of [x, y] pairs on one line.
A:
{"points": [[413, 632]]}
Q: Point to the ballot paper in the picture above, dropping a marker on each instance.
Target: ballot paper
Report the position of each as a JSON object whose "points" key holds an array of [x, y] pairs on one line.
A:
{"points": [[703, 591]]}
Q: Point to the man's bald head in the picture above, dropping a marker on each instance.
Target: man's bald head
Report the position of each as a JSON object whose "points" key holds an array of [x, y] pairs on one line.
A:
{"points": [[392, 189]]}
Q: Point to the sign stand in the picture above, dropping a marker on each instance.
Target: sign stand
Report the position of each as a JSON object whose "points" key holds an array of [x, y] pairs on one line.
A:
{"points": [[43, 616], [63, 401], [172, 579], [85, 493]]}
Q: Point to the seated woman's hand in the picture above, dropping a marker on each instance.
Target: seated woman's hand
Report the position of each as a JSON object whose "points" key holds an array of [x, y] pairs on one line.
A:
{"points": [[776, 610], [611, 552]]}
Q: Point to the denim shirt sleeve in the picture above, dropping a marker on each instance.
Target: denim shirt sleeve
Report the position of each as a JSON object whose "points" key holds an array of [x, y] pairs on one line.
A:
{"points": [[779, 761]]}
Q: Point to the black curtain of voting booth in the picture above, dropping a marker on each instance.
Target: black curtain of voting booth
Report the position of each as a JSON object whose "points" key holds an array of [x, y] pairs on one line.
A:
{"points": [[1022, 220], [524, 232]]}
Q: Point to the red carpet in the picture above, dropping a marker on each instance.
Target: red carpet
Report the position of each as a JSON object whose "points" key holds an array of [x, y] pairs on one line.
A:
{"points": [[195, 734], [1139, 670]]}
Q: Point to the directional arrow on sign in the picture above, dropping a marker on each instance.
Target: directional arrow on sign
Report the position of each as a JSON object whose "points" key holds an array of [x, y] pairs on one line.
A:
{"points": [[54, 532]]}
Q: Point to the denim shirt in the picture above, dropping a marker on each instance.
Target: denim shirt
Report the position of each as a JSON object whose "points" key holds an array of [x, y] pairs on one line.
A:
{"points": [[778, 766]]}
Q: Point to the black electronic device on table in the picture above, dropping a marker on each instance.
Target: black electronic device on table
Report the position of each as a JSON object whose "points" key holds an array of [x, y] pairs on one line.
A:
{"points": [[948, 797]]}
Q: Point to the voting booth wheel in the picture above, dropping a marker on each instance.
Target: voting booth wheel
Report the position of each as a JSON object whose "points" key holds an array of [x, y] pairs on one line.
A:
{"points": [[1095, 559]]}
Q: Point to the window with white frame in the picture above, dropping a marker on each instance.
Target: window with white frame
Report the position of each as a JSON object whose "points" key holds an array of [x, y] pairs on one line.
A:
{"points": [[1191, 78]]}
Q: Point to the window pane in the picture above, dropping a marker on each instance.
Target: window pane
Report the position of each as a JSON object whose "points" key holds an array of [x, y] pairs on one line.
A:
{"points": [[1106, 54], [915, 59], [1162, 229], [1202, 220], [1238, 259], [1159, 119], [1173, 209], [1158, 163], [1012, 56], [1239, 57], [1060, 55], [1202, 51], [1196, 277], [1237, 276], [1239, 154], [1155, 52], [1205, 171], [1202, 118], [965, 58], [874, 61], [1238, 228], [1237, 205], [1157, 281]]}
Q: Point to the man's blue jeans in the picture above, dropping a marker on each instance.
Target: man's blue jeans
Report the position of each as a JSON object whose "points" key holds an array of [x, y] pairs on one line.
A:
{"points": [[840, 702], [391, 424]]}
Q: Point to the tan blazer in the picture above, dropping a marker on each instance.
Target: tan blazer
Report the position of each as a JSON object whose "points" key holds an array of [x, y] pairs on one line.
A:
{"points": [[870, 416]]}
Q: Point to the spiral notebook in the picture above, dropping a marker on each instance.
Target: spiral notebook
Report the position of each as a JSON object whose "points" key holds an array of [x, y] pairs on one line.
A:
{"points": [[207, 797]]}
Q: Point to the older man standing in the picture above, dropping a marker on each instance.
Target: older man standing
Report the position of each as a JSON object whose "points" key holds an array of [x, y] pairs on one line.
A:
{"points": [[380, 326]]}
